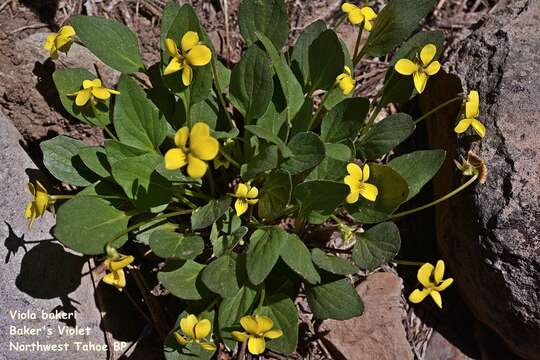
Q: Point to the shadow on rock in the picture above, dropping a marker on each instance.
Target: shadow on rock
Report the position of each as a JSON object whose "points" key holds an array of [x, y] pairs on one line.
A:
{"points": [[45, 9]]}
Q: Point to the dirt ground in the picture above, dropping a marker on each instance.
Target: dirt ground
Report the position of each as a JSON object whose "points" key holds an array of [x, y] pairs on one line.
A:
{"points": [[31, 102]]}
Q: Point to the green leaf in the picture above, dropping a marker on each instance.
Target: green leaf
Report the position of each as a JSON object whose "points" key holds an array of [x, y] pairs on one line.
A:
{"points": [[270, 137], [376, 246], [184, 281], [326, 60], [332, 263], [393, 190], [335, 95], [141, 182], [208, 214], [334, 165], [275, 195], [268, 17], [227, 232], [273, 119], [117, 151], [322, 196], [302, 120], [344, 120], [307, 152], [95, 159], [263, 253], [300, 53], [136, 118], [86, 224], [220, 276], [251, 85], [385, 136], [334, 298], [266, 159], [232, 309], [418, 167], [172, 245], [291, 87], [60, 156], [297, 256], [112, 42], [176, 21], [281, 309], [394, 24], [67, 82]]}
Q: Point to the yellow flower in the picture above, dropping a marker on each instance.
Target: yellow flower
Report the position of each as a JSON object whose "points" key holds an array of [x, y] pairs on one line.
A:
{"points": [[356, 15], [202, 147], [473, 165], [257, 328], [37, 207], [195, 330], [431, 279], [357, 183], [422, 68], [346, 82], [246, 195], [92, 90], [472, 110], [60, 41], [193, 53], [116, 276]]}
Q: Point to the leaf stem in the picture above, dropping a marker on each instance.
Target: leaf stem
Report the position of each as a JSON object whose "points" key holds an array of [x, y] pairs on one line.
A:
{"points": [[407, 263], [109, 132], [433, 203], [313, 122], [431, 112], [340, 22], [220, 95], [65, 197], [229, 158]]}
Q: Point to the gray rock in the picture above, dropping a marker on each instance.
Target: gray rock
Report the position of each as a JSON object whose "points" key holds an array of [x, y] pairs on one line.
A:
{"points": [[38, 275], [490, 235], [379, 333]]}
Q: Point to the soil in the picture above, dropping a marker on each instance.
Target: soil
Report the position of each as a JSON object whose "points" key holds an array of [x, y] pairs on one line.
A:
{"points": [[36, 113]]}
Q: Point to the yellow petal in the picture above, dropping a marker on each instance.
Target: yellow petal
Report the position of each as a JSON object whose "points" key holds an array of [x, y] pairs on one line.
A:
{"points": [[348, 70], [256, 345], [249, 324], [365, 173], [28, 210], [406, 67], [346, 84], [446, 283], [436, 296], [121, 263], [427, 54], [200, 55], [346, 7], [368, 13], [189, 40], [187, 75], [252, 193], [273, 334], [241, 190], [205, 148], [418, 295], [41, 203], [240, 336], [63, 43], [474, 98], [355, 171], [355, 16], [175, 159], [352, 197], [87, 84], [116, 279], [471, 109], [420, 81], [433, 68], [82, 97], [264, 324], [196, 167], [352, 181], [368, 25], [463, 125], [187, 324], [180, 339], [202, 329], [31, 188], [424, 274], [369, 191], [171, 48], [174, 65], [181, 137], [67, 31], [199, 130], [49, 42], [101, 93], [241, 206], [252, 201], [208, 346], [95, 83], [40, 188], [438, 274], [479, 128]]}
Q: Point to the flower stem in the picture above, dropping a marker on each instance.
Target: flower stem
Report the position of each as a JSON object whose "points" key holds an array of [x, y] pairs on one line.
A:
{"points": [[433, 203], [320, 108], [407, 263], [431, 112], [220, 95], [357, 45], [380, 104], [340, 22], [229, 158], [188, 106], [197, 194], [261, 298]]}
